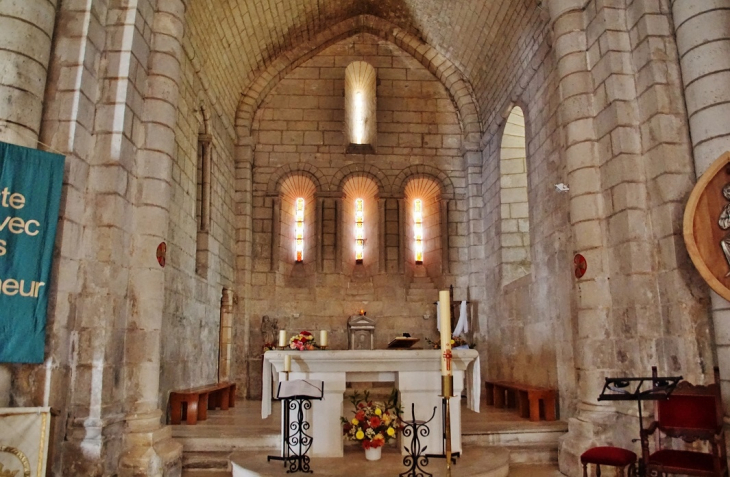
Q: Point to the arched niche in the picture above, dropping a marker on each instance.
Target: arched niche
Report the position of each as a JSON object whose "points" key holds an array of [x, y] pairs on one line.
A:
{"points": [[427, 190], [515, 220], [360, 107], [363, 188], [295, 188]]}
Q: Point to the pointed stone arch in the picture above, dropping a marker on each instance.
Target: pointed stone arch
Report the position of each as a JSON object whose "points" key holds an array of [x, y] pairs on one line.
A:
{"points": [[423, 170], [459, 89], [285, 171], [366, 170]]}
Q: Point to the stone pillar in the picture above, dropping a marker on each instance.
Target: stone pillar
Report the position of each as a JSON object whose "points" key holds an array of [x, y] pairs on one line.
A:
{"points": [[26, 29], [275, 233], [226, 336], [401, 235], [339, 237], [589, 231], [703, 42], [381, 235], [319, 234], [444, 235], [149, 448]]}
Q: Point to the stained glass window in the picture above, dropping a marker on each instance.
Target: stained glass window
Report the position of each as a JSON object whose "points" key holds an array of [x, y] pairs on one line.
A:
{"points": [[299, 230], [359, 231], [418, 229]]}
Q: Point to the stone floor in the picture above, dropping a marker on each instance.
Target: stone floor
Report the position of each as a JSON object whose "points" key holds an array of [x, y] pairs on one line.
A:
{"points": [[250, 438]]}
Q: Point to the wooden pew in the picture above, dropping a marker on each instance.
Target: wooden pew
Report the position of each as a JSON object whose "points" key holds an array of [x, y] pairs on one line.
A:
{"points": [[525, 398], [199, 400]]}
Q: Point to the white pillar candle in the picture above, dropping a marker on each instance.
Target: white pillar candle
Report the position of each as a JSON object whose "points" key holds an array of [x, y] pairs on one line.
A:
{"points": [[445, 312], [287, 363], [282, 338], [323, 338]]}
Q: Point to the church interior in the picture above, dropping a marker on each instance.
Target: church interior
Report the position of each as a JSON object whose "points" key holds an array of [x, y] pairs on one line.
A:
{"points": [[239, 167]]}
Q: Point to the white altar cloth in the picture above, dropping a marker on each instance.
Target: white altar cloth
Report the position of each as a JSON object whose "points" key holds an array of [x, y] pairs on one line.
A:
{"points": [[416, 374]]}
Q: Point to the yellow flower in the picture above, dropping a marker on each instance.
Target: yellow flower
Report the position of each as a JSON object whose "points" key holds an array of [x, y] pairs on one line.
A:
{"points": [[452, 341], [360, 435], [355, 422], [391, 431], [378, 412]]}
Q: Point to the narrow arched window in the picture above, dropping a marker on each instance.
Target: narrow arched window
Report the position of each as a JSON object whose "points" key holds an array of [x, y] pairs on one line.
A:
{"points": [[360, 107], [299, 230], [515, 229], [359, 230], [418, 229]]}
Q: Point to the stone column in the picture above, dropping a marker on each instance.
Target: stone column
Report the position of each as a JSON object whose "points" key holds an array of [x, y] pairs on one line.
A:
{"points": [[319, 224], [381, 235], [593, 294], [26, 29], [275, 233], [401, 235], [444, 204], [339, 238], [149, 448], [226, 336], [703, 42]]}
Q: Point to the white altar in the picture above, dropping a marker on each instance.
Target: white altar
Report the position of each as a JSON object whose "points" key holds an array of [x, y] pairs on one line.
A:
{"points": [[415, 373]]}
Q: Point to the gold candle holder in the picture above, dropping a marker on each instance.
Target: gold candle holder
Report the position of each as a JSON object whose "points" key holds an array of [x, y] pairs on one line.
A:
{"points": [[447, 391]]}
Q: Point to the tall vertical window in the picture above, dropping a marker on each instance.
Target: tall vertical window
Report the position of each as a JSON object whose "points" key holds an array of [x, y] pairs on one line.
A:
{"points": [[359, 231], [360, 107], [299, 230], [418, 230]]}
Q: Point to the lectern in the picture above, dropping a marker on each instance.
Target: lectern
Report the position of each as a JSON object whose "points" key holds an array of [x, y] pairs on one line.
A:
{"points": [[296, 397]]}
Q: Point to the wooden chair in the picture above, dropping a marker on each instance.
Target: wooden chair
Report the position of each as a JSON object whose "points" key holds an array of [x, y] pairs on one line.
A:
{"points": [[692, 413]]}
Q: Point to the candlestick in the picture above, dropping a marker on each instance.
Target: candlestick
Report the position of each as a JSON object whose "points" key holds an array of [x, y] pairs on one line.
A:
{"points": [[445, 312], [287, 363], [323, 338], [282, 338]]}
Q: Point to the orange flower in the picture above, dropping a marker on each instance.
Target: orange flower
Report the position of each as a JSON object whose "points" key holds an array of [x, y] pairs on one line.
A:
{"points": [[374, 422]]}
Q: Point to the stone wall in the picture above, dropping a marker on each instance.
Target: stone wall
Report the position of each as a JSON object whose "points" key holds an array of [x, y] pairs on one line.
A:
{"points": [[528, 328], [193, 290], [298, 130]]}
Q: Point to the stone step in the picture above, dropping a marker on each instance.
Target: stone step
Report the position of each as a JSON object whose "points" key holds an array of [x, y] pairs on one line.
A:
{"points": [[526, 446]]}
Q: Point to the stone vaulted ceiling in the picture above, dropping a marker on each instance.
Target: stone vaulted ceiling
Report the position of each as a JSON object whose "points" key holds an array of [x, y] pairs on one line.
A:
{"points": [[235, 40]]}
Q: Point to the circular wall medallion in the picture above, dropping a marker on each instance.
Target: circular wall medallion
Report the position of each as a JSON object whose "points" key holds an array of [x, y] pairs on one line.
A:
{"points": [[161, 253], [580, 265]]}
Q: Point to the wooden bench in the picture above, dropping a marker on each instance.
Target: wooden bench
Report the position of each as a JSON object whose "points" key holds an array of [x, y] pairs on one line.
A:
{"points": [[504, 394], [195, 402]]}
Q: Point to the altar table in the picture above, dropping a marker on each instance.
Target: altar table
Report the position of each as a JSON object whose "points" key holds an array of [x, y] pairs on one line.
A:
{"points": [[415, 373]]}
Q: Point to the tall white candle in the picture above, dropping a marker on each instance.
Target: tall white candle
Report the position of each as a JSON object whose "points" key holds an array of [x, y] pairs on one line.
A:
{"points": [[282, 338], [445, 312], [287, 363], [323, 338]]}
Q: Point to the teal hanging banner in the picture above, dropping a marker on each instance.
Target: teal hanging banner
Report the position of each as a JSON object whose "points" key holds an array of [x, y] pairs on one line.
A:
{"points": [[30, 195]]}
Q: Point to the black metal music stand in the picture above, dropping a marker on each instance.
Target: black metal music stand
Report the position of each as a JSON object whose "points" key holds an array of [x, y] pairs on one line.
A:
{"points": [[622, 389], [296, 396]]}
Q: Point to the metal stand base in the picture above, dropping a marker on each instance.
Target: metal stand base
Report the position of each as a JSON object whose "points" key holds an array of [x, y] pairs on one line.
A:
{"points": [[295, 441], [454, 455], [415, 459]]}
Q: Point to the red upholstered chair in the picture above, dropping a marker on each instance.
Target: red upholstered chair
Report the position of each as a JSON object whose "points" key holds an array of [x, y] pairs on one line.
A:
{"points": [[609, 455], [692, 413]]}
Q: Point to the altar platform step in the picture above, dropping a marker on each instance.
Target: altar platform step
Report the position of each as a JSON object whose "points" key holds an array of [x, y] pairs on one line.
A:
{"points": [[210, 445], [528, 442]]}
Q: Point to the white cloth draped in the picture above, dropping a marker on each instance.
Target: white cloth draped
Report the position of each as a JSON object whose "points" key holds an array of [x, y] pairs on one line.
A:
{"points": [[266, 375], [462, 326]]}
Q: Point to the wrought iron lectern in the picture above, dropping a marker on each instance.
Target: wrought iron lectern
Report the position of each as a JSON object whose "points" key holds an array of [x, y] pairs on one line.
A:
{"points": [[296, 396]]}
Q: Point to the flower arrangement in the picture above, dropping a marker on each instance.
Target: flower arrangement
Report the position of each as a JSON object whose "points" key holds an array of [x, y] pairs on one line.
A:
{"points": [[456, 342], [375, 423], [303, 341]]}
